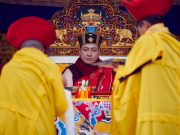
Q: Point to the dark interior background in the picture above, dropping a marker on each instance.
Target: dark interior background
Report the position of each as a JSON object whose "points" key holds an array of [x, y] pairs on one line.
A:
{"points": [[11, 12]]}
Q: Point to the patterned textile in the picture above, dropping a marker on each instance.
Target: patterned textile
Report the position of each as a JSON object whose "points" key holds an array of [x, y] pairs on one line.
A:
{"points": [[92, 116]]}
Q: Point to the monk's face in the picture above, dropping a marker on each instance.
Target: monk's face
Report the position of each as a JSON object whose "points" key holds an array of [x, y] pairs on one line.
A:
{"points": [[89, 53]]}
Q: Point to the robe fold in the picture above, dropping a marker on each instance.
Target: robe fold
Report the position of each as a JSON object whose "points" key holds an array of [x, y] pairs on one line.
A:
{"points": [[146, 92]]}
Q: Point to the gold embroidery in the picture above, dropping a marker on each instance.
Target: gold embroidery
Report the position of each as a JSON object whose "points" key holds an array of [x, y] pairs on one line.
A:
{"points": [[91, 39], [91, 10]]}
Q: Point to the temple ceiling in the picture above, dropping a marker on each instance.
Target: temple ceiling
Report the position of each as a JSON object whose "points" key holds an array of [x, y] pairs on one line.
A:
{"points": [[55, 3]]}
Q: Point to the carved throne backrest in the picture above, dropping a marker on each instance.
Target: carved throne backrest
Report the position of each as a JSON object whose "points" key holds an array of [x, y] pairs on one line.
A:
{"points": [[102, 17]]}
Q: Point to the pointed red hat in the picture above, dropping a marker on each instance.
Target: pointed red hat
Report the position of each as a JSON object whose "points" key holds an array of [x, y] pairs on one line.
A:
{"points": [[141, 9], [30, 28]]}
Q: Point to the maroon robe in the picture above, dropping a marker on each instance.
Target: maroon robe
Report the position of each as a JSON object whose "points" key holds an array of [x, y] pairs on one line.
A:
{"points": [[102, 78]]}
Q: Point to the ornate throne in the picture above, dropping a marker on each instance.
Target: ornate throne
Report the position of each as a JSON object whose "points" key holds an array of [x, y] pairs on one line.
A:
{"points": [[102, 17]]}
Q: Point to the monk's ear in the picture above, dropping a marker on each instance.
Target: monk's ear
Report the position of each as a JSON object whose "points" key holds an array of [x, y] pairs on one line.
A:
{"points": [[146, 24], [143, 27]]}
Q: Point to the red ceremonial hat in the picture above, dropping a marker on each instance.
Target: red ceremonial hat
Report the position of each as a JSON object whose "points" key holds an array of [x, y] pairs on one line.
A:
{"points": [[141, 9], [31, 28]]}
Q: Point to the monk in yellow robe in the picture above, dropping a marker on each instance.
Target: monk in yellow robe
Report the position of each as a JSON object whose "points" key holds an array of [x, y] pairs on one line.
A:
{"points": [[146, 92], [32, 93]]}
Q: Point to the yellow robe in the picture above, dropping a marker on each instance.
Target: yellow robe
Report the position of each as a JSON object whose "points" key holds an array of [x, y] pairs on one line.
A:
{"points": [[146, 92], [31, 94]]}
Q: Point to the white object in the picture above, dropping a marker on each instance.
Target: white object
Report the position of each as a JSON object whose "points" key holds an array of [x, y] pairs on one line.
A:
{"points": [[69, 115]]}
